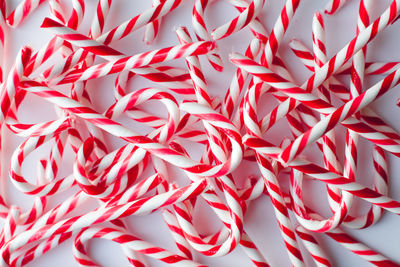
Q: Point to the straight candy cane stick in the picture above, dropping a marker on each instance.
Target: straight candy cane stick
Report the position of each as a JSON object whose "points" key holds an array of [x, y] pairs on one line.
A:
{"points": [[238, 23], [333, 6], [22, 11]]}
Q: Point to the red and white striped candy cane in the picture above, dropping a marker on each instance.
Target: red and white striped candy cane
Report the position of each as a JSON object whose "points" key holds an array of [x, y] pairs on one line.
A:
{"points": [[97, 27], [319, 256], [125, 103], [305, 219], [290, 103], [376, 68], [224, 213], [237, 83], [360, 249], [319, 46], [365, 36], [141, 20], [56, 214], [51, 217], [221, 247], [342, 114], [71, 34], [22, 11], [285, 225], [231, 194], [79, 250], [303, 54], [196, 74], [255, 26], [10, 224], [177, 234], [307, 58], [137, 191], [270, 50], [169, 77], [380, 184], [78, 11], [128, 241], [333, 6], [202, 33], [188, 230], [280, 27], [57, 10], [269, 174], [38, 250], [21, 183], [11, 85], [238, 23], [152, 28]]}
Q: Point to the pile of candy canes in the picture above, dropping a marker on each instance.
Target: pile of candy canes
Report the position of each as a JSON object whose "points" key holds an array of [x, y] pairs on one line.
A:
{"points": [[231, 132]]}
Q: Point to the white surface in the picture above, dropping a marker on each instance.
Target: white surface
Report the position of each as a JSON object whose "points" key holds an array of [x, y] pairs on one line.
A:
{"points": [[260, 221]]}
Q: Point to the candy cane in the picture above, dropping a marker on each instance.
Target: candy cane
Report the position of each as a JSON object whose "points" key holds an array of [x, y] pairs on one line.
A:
{"points": [[333, 6], [152, 28], [128, 241], [238, 23], [202, 34], [97, 27], [22, 11], [318, 255], [280, 27], [360, 249]]}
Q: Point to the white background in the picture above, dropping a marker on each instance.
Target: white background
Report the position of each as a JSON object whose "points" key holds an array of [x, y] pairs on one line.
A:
{"points": [[260, 221]]}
